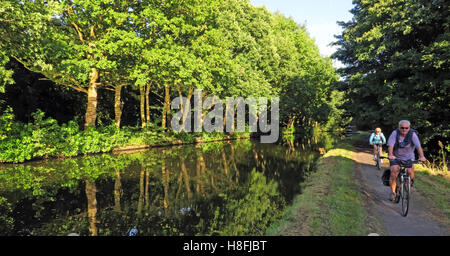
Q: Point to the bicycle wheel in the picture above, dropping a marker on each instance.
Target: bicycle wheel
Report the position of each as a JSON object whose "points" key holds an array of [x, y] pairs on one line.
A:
{"points": [[405, 195], [378, 161]]}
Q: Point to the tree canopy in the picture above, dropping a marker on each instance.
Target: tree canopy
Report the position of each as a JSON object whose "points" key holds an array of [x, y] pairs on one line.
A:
{"points": [[396, 54], [155, 50]]}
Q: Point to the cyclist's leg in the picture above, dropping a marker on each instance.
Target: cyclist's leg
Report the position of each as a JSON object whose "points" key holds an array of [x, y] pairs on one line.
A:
{"points": [[411, 172], [374, 151], [381, 152], [394, 173]]}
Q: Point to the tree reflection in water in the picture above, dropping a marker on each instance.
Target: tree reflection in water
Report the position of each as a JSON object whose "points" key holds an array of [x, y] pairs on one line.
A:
{"points": [[230, 188]]}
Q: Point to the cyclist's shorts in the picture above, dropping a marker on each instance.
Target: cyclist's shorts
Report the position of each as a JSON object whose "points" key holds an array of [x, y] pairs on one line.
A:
{"points": [[394, 162]]}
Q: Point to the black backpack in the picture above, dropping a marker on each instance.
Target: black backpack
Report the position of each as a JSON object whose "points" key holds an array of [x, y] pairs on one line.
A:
{"points": [[407, 140], [386, 176]]}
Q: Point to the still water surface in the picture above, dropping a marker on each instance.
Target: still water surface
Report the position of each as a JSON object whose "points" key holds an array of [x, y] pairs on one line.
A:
{"points": [[226, 188]]}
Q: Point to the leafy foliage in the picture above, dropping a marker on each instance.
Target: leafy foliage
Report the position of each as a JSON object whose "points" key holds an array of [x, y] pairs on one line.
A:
{"points": [[397, 65], [45, 138], [226, 48]]}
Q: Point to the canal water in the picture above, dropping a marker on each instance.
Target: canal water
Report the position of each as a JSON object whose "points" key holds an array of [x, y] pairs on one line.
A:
{"points": [[224, 188]]}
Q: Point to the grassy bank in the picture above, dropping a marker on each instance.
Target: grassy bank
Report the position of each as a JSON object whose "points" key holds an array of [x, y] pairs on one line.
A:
{"points": [[434, 185], [330, 202]]}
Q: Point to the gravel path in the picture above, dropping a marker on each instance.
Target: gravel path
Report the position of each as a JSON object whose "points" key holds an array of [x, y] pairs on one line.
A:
{"points": [[419, 222]]}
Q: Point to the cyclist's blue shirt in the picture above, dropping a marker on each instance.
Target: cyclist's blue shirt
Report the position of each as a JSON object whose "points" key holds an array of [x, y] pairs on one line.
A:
{"points": [[376, 139]]}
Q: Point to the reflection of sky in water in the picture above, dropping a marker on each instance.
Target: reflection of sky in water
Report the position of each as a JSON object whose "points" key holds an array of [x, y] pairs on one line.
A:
{"points": [[236, 188]]}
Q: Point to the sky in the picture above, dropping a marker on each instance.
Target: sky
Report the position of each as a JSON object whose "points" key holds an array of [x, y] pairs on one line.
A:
{"points": [[319, 16]]}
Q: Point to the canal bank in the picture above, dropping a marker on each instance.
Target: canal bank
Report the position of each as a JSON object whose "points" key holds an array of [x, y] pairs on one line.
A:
{"points": [[330, 203]]}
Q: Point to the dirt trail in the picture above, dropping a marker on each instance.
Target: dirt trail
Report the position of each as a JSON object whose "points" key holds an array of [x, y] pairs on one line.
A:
{"points": [[420, 220]]}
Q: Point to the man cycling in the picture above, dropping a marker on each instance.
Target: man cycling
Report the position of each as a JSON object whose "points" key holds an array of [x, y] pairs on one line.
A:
{"points": [[401, 145], [377, 138]]}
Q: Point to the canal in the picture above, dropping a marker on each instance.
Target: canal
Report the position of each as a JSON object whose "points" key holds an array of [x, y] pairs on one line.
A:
{"points": [[237, 187]]}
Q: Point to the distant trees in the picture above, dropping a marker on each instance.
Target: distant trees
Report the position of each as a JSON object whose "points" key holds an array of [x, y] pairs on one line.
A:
{"points": [[168, 48], [397, 65]]}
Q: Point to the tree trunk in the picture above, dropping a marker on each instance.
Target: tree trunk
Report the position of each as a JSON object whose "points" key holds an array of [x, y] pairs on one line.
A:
{"points": [[91, 110], [117, 192], [180, 94], [142, 94], [147, 103], [180, 182], [233, 157], [200, 171], [227, 106], [186, 178], [165, 180], [141, 192], [166, 106], [118, 105], [225, 118], [147, 196], [225, 162], [186, 110], [91, 191]]}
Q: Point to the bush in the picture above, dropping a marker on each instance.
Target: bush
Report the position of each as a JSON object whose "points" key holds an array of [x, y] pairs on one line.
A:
{"points": [[44, 138], [6, 122]]}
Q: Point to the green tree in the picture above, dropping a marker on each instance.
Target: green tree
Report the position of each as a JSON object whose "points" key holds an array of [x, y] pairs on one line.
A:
{"points": [[5, 74], [70, 42], [397, 65]]}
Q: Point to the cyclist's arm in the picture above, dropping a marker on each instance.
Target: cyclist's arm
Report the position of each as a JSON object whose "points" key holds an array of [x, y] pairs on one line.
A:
{"points": [[421, 155], [416, 142], [371, 138], [390, 144], [383, 139], [391, 152]]}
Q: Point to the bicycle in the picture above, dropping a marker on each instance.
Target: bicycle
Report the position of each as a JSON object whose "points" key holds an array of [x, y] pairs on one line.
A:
{"points": [[379, 157], [403, 187]]}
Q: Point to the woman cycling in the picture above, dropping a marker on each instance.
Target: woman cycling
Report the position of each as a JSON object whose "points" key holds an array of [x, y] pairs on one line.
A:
{"points": [[377, 137]]}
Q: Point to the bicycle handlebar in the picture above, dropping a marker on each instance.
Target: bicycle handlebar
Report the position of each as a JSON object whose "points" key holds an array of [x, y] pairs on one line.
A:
{"points": [[403, 161]]}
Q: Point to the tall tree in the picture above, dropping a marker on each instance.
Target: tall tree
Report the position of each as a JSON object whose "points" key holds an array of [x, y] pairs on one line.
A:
{"points": [[69, 42], [396, 54]]}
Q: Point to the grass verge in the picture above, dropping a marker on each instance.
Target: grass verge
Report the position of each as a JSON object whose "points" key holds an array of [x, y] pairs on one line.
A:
{"points": [[330, 202], [435, 187]]}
